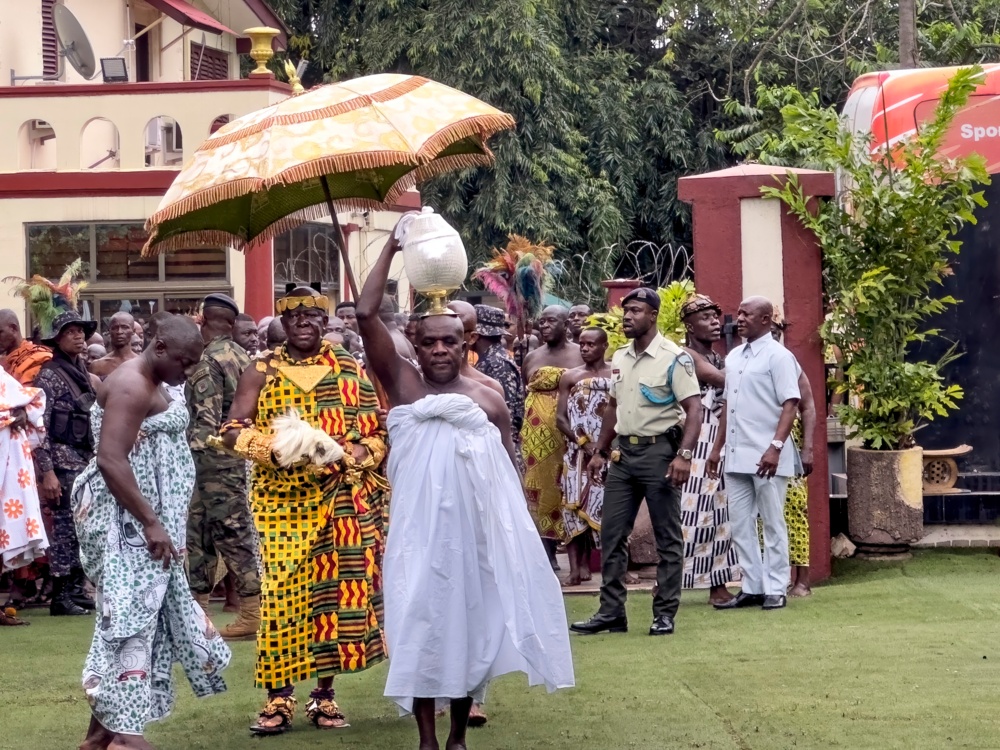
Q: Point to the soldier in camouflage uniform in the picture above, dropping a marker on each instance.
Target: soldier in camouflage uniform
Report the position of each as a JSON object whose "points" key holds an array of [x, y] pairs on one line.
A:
{"points": [[219, 520]]}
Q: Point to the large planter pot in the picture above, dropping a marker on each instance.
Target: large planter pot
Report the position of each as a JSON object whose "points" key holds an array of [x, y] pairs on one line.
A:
{"points": [[885, 502]]}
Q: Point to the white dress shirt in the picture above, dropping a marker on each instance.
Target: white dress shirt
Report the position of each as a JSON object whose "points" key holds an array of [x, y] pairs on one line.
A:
{"points": [[760, 377]]}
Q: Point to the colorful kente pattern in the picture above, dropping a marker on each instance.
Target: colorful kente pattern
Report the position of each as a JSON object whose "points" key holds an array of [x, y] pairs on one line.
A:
{"points": [[321, 535], [543, 446]]}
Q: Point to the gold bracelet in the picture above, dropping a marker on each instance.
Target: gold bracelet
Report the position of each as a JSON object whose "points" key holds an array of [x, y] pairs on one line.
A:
{"points": [[582, 440], [254, 445]]}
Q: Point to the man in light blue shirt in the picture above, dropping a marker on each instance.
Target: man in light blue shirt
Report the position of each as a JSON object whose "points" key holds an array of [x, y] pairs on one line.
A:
{"points": [[761, 398]]}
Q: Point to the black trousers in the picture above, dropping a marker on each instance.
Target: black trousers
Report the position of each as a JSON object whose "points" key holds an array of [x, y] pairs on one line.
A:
{"points": [[641, 473]]}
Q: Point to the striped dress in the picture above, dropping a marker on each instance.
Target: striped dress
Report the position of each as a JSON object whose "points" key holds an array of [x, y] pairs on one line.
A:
{"points": [[709, 556], [321, 536]]}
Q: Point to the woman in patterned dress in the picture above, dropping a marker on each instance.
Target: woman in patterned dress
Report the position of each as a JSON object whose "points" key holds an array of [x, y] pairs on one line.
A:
{"points": [[709, 557], [584, 393]]}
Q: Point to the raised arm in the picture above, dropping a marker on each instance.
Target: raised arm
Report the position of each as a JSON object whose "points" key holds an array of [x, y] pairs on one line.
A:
{"points": [[125, 408], [391, 370], [705, 371]]}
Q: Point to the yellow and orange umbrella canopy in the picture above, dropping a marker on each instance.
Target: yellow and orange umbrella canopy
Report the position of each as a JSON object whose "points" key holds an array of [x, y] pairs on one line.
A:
{"points": [[359, 144]]}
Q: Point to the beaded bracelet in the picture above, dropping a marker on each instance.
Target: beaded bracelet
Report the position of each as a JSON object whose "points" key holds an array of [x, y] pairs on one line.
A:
{"points": [[236, 424]]}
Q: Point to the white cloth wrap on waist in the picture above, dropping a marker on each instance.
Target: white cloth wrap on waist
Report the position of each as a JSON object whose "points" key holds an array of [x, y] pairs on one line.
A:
{"points": [[469, 592]]}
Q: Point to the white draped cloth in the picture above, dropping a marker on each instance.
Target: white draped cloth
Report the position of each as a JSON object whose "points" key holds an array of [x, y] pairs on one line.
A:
{"points": [[22, 534], [469, 591]]}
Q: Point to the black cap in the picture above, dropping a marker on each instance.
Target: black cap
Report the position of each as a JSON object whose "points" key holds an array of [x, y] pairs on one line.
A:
{"points": [[643, 294], [217, 299]]}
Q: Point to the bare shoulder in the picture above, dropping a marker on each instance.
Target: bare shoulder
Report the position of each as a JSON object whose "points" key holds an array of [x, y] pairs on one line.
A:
{"points": [[489, 400], [126, 384], [572, 376], [102, 366]]}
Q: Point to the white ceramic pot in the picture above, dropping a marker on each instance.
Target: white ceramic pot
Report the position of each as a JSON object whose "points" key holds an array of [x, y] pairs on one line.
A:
{"points": [[433, 254]]}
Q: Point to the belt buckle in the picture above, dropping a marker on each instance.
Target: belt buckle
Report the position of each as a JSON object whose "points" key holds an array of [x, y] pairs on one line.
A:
{"points": [[633, 440]]}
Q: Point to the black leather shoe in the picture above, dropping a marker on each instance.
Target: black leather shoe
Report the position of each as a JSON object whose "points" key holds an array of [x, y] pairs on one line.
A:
{"points": [[66, 607], [662, 625], [600, 624], [774, 601], [742, 600]]}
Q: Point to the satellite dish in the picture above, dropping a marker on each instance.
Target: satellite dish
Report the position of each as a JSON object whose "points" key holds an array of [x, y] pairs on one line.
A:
{"points": [[74, 43]]}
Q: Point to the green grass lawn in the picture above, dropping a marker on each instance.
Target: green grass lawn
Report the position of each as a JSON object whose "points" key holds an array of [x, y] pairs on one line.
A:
{"points": [[901, 655]]}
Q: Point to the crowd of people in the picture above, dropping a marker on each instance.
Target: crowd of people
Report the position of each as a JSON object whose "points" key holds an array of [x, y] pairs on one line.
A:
{"points": [[160, 461]]}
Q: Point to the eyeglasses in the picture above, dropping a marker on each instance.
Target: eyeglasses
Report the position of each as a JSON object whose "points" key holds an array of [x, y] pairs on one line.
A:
{"points": [[287, 304]]}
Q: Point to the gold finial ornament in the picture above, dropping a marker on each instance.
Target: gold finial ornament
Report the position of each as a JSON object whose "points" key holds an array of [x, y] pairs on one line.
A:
{"points": [[260, 50], [293, 79]]}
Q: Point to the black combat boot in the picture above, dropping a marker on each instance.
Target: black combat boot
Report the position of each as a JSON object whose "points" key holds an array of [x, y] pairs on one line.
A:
{"points": [[77, 592], [62, 604]]}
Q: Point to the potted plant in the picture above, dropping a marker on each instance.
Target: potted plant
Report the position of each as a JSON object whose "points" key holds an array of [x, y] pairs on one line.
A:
{"points": [[886, 244]]}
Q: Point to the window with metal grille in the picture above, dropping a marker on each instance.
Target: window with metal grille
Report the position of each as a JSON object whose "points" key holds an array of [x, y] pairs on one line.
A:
{"points": [[208, 64], [50, 47]]}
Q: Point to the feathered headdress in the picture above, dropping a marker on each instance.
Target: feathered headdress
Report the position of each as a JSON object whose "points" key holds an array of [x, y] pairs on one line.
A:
{"points": [[518, 275], [47, 299]]}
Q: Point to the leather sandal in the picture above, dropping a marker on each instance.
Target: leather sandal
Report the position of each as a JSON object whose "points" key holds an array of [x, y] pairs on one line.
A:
{"points": [[325, 708], [276, 706]]}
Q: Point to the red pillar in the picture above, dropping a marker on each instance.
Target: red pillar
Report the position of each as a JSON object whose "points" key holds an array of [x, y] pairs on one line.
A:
{"points": [[618, 288], [719, 254], [258, 294]]}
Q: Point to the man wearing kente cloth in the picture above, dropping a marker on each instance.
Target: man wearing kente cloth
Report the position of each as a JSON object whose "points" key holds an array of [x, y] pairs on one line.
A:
{"points": [[542, 444], [306, 417]]}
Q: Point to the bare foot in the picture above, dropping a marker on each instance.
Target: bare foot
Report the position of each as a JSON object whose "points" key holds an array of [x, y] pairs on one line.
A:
{"points": [[429, 745], [476, 716], [98, 738], [585, 575], [455, 745], [129, 742], [800, 589], [571, 580], [719, 595]]}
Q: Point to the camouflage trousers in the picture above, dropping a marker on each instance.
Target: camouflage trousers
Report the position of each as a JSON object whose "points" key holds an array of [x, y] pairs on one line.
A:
{"points": [[64, 549], [220, 526]]}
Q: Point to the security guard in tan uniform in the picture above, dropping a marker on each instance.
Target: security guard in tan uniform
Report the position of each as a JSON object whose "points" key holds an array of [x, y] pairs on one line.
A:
{"points": [[653, 391]]}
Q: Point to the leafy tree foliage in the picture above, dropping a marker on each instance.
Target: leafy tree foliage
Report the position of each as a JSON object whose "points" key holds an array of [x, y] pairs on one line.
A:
{"points": [[617, 99]]}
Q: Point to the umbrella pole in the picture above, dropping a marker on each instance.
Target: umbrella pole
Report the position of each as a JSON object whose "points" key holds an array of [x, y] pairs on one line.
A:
{"points": [[342, 241]]}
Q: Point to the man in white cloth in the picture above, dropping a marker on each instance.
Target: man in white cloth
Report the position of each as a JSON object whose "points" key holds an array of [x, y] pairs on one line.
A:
{"points": [[22, 534], [469, 592]]}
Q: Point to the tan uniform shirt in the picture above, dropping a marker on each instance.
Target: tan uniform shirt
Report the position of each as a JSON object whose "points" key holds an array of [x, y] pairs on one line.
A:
{"points": [[648, 390]]}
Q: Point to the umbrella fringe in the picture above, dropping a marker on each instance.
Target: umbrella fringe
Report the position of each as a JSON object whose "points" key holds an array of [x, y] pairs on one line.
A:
{"points": [[334, 110], [203, 199], [480, 126], [197, 238], [435, 168], [339, 163]]}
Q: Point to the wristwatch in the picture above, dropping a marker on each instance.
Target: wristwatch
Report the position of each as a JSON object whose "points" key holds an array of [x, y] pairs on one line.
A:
{"points": [[777, 444], [686, 454]]}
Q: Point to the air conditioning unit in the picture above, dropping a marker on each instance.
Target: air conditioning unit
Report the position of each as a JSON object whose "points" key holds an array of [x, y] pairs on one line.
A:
{"points": [[172, 138], [40, 130]]}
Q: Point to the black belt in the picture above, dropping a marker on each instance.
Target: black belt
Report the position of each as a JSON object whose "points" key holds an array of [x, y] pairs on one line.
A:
{"points": [[642, 439]]}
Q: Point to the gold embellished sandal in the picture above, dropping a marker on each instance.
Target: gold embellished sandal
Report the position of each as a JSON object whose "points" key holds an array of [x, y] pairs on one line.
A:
{"points": [[325, 708], [276, 706]]}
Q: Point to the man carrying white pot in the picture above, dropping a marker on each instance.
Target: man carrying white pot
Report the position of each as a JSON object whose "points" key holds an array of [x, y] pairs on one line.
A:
{"points": [[761, 398]]}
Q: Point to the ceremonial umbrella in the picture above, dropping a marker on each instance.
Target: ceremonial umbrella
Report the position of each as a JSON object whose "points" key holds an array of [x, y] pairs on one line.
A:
{"points": [[358, 144]]}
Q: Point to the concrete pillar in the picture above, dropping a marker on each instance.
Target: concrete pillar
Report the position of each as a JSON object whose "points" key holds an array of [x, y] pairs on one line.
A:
{"points": [[745, 244]]}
